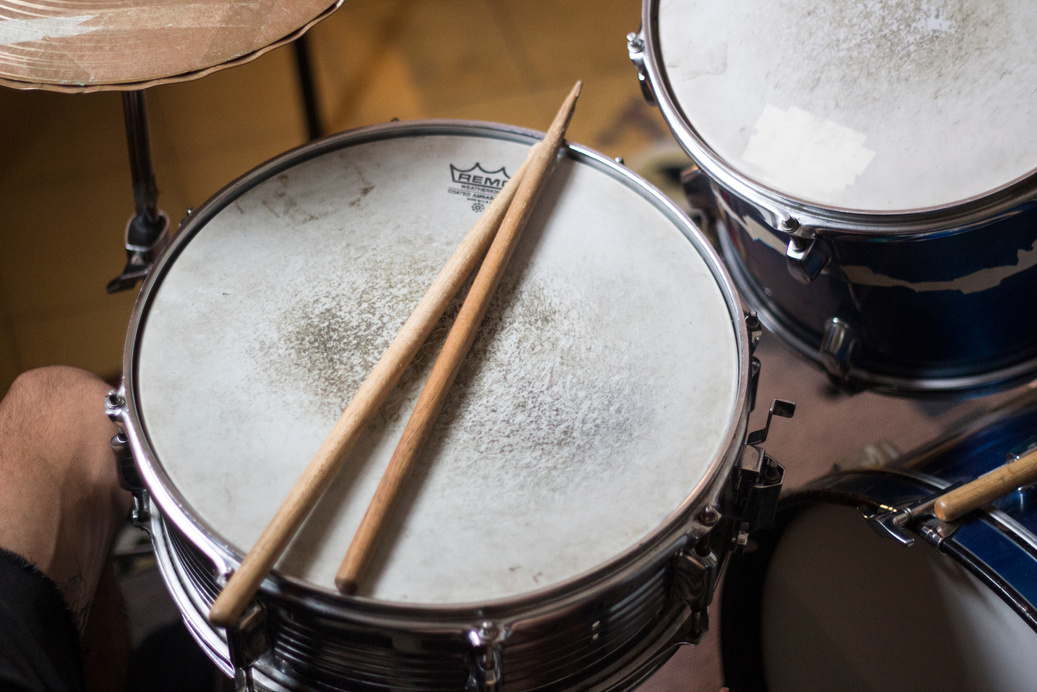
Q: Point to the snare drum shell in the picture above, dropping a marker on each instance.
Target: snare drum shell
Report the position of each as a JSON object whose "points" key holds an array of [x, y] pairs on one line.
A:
{"points": [[608, 627], [957, 610]]}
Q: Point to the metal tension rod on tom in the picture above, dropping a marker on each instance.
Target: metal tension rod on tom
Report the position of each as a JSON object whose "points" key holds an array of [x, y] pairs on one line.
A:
{"points": [[988, 487], [458, 341], [245, 581]]}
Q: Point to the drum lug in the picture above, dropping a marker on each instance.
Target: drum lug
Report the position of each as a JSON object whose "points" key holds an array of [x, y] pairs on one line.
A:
{"points": [[246, 642], [695, 573], [486, 658], [806, 257], [125, 466], [755, 329], [129, 479], [837, 347], [636, 50], [115, 405]]}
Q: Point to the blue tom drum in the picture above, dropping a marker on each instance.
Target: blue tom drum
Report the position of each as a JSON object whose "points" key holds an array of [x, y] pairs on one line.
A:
{"points": [[872, 169]]}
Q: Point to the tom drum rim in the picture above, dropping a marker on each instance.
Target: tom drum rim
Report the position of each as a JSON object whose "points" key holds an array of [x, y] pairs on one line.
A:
{"points": [[781, 207]]}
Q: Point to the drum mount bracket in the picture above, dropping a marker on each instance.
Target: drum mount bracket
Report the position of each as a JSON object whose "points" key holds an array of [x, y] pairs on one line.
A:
{"points": [[748, 504], [892, 522], [752, 497]]}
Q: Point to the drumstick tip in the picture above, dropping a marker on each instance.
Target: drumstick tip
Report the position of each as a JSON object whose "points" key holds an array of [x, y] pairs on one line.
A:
{"points": [[222, 615], [346, 585]]}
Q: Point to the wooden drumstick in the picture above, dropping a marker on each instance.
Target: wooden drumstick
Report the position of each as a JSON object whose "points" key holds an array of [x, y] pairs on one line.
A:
{"points": [[245, 580], [458, 341], [988, 487]]}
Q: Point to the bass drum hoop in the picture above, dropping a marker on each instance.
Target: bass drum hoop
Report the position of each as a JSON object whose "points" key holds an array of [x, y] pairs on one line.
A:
{"points": [[742, 597]]}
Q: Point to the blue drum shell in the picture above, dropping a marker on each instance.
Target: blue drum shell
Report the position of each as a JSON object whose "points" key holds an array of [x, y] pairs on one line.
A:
{"points": [[942, 313]]}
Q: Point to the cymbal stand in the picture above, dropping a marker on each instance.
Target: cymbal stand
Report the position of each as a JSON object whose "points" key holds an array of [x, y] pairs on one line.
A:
{"points": [[147, 231], [307, 87]]}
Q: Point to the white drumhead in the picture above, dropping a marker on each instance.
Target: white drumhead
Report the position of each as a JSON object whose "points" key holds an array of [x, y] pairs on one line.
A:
{"points": [[846, 609], [600, 389], [891, 105]]}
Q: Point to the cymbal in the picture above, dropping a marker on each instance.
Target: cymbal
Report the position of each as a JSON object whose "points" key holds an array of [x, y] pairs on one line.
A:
{"points": [[77, 46]]}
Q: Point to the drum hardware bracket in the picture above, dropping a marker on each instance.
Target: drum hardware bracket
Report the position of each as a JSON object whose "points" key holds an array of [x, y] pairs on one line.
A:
{"points": [[188, 213], [246, 642], [486, 657], [696, 570], [243, 680], [139, 258], [805, 258], [114, 405], [780, 408], [636, 50], [755, 329], [837, 348], [129, 479], [125, 466], [752, 496], [754, 380], [891, 522], [698, 190]]}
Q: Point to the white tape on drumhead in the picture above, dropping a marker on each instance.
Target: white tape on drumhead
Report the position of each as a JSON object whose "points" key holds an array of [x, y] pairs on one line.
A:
{"points": [[796, 150]]}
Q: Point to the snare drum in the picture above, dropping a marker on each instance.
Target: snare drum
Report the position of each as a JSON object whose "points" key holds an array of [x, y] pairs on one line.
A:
{"points": [[824, 603], [873, 169], [555, 530]]}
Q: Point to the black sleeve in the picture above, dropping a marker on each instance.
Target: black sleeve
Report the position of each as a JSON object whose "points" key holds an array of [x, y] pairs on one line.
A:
{"points": [[39, 643]]}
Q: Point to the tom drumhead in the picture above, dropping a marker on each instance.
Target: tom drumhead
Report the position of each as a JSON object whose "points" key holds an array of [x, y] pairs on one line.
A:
{"points": [[865, 106]]}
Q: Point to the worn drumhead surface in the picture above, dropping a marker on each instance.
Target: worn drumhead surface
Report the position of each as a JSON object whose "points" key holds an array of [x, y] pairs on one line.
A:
{"points": [[601, 387], [889, 105]]}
